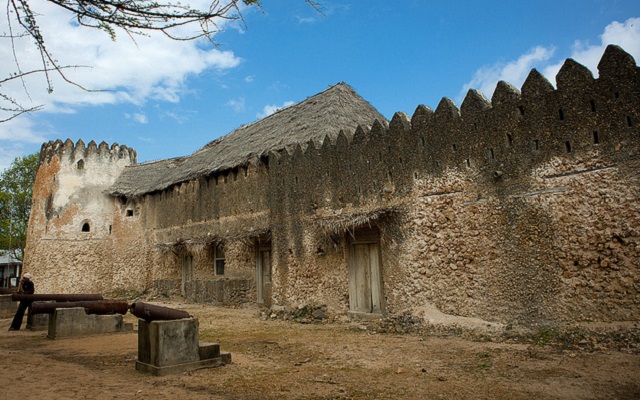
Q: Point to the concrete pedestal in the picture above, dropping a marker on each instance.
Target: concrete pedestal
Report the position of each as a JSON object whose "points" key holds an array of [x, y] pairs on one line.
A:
{"points": [[170, 347], [37, 322], [68, 322], [7, 306]]}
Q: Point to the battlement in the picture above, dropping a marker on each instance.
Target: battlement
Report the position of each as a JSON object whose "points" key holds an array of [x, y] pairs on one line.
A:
{"points": [[79, 151], [512, 132]]}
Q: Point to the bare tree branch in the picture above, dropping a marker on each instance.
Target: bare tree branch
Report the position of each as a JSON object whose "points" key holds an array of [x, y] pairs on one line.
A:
{"points": [[134, 17]]}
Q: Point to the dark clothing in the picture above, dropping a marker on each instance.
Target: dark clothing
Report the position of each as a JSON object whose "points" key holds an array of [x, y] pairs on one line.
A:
{"points": [[17, 319], [27, 287]]}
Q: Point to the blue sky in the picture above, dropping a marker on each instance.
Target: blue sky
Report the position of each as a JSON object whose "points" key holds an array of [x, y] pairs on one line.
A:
{"points": [[167, 99]]}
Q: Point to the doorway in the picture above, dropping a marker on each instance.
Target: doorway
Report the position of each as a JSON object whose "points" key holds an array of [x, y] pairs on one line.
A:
{"points": [[365, 279], [263, 274], [187, 273]]}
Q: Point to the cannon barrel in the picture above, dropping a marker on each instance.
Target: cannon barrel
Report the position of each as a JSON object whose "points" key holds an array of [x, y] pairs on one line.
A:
{"points": [[55, 297], [150, 312], [100, 307]]}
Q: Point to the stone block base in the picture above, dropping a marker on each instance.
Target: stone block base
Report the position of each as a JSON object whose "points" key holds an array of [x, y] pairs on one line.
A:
{"points": [[7, 306], [38, 322], [171, 347], [224, 358], [70, 322]]}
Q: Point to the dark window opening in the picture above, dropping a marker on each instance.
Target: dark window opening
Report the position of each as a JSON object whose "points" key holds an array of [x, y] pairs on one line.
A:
{"points": [[521, 109], [81, 164], [86, 227], [567, 146], [380, 154], [561, 114], [468, 162], [389, 175], [536, 144], [629, 121], [437, 164], [423, 142], [616, 95], [129, 213], [400, 159], [415, 175], [596, 140], [220, 260], [492, 155], [296, 180], [509, 140], [454, 147], [109, 229], [593, 105]]}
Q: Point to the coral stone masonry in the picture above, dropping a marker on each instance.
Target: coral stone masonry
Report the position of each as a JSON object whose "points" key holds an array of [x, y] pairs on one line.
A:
{"points": [[523, 209]]}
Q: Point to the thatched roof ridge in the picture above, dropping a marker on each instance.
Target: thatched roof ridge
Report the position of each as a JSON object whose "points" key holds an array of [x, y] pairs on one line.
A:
{"points": [[325, 114]]}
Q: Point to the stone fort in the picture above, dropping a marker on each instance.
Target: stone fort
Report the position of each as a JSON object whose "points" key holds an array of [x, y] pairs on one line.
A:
{"points": [[522, 210]]}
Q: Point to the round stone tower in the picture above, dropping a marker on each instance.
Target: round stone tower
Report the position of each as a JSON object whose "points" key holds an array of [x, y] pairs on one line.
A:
{"points": [[72, 214]]}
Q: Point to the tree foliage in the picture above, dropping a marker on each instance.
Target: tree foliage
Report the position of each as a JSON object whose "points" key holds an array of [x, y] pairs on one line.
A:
{"points": [[16, 186], [134, 17]]}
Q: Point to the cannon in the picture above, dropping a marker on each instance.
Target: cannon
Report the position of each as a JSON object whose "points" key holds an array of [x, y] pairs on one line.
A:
{"points": [[150, 312], [100, 307], [55, 297]]}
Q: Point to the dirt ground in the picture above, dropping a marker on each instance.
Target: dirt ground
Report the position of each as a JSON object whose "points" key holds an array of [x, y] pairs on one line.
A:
{"points": [[276, 359]]}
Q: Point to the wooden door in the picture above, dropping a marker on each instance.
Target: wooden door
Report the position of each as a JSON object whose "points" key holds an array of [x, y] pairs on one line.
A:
{"points": [[263, 276], [187, 273], [365, 283]]}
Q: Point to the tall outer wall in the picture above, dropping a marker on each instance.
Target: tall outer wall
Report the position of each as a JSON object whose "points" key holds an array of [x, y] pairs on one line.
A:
{"points": [[523, 209]]}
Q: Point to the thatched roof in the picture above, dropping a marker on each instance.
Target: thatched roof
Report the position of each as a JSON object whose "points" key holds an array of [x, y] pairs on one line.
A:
{"points": [[325, 114]]}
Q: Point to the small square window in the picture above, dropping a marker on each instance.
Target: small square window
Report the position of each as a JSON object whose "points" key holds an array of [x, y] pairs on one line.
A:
{"points": [[129, 213]]}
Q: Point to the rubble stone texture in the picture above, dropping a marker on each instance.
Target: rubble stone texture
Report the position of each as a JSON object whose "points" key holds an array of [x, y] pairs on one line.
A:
{"points": [[523, 209]]}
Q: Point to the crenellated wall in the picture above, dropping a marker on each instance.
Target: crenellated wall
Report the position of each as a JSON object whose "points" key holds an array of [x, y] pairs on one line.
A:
{"points": [[521, 209], [77, 239]]}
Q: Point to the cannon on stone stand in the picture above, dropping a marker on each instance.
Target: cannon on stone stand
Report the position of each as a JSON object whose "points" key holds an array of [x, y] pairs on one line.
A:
{"points": [[37, 322], [168, 342]]}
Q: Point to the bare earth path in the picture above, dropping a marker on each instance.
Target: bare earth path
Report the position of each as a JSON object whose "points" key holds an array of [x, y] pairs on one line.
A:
{"points": [[286, 360]]}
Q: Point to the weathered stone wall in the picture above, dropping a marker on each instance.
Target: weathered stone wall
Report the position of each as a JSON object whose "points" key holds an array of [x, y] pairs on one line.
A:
{"points": [[192, 218], [78, 240], [523, 209]]}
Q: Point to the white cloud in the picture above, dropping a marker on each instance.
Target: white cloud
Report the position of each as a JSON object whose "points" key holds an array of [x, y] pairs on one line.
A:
{"points": [[515, 72], [236, 104], [271, 108], [124, 71], [305, 20], [138, 117], [17, 138], [180, 117], [249, 79], [625, 34]]}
